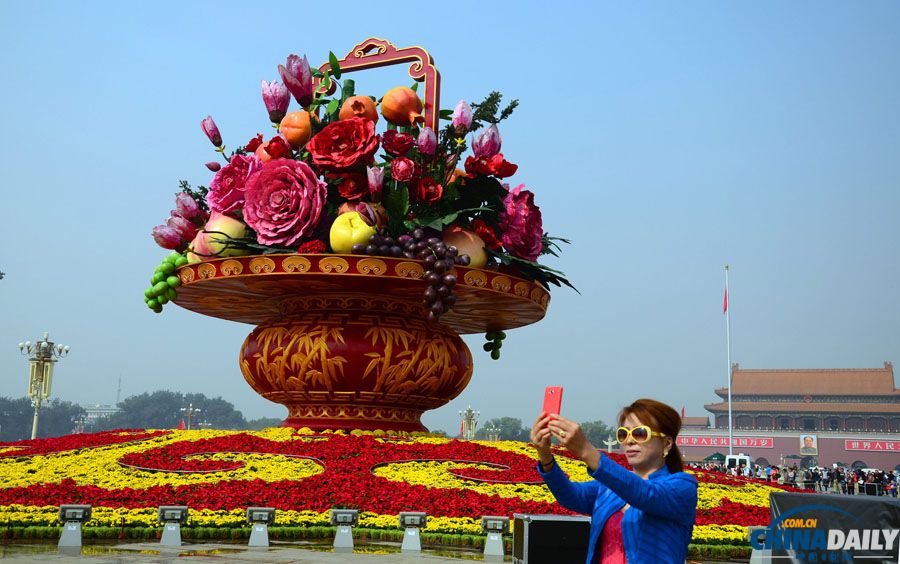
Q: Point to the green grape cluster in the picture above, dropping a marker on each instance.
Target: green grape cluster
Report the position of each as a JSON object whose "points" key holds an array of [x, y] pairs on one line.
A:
{"points": [[494, 342], [164, 281]]}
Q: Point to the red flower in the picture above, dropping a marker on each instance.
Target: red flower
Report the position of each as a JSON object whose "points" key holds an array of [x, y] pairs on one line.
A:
{"points": [[403, 169], [313, 246], [521, 224], [487, 234], [254, 143], [283, 202], [396, 143], [490, 166], [351, 185], [277, 147], [427, 191], [344, 144]]}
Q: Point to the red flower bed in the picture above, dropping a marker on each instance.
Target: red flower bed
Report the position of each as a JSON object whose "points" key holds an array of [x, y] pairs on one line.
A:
{"points": [[72, 442]]}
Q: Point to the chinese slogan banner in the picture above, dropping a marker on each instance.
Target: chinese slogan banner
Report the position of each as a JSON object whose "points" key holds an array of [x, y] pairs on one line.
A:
{"points": [[752, 442], [872, 445]]}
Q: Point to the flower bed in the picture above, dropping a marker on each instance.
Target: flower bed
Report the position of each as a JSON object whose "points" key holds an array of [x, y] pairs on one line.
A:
{"points": [[125, 475]]}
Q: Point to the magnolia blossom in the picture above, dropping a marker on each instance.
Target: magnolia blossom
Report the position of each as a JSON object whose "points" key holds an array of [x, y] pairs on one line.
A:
{"points": [[487, 144], [166, 237], [187, 207], [277, 98], [298, 78], [462, 118], [375, 175], [211, 130], [427, 141]]}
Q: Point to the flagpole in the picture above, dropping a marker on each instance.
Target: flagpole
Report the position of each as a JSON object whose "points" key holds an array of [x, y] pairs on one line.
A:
{"points": [[728, 343]]}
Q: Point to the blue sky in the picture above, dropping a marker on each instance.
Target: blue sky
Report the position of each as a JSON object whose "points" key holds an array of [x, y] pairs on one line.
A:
{"points": [[664, 139]]}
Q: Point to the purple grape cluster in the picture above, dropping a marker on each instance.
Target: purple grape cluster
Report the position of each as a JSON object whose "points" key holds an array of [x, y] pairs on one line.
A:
{"points": [[439, 260]]}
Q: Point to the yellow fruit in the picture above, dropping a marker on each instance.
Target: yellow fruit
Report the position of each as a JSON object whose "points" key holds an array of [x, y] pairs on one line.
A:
{"points": [[468, 243], [349, 229]]}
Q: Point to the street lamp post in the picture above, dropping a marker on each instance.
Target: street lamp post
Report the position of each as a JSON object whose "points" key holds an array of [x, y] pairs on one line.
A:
{"points": [[469, 422], [190, 411], [42, 356], [493, 433]]}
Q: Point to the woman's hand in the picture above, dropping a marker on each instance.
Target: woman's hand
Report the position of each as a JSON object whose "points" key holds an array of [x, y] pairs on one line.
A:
{"points": [[571, 436], [540, 438]]}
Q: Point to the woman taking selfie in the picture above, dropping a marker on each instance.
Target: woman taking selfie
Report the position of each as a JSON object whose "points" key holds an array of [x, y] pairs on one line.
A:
{"points": [[640, 516]]}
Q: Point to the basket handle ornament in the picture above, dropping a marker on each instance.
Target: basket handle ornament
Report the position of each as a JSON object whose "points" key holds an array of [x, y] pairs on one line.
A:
{"points": [[374, 53]]}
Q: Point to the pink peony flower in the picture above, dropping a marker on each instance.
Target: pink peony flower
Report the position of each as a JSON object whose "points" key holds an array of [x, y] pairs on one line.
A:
{"points": [[284, 201], [487, 144], [403, 169], [521, 225], [276, 98], [226, 191], [427, 141]]}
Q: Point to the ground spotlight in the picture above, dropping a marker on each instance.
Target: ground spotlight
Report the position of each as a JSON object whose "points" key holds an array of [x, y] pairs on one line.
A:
{"points": [[172, 516], [260, 518], [495, 527], [72, 516], [344, 519], [412, 521]]}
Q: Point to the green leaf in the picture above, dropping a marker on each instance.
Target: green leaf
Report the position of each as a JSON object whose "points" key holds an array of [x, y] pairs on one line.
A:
{"points": [[415, 87], [396, 204], [332, 106], [325, 85], [335, 65], [446, 114]]}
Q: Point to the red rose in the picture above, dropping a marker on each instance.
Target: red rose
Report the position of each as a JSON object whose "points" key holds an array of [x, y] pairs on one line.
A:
{"points": [[403, 169], [254, 143], [428, 191], [396, 143], [277, 147], [344, 144], [490, 166], [487, 234], [351, 185]]}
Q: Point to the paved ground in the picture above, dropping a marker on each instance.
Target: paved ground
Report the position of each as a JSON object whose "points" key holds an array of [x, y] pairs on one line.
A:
{"points": [[152, 553]]}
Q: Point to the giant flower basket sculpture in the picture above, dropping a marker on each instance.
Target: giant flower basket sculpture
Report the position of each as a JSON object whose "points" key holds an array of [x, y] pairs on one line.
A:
{"points": [[360, 271]]}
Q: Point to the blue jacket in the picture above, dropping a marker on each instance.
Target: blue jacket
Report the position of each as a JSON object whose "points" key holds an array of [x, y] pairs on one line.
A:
{"points": [[657, 527]]}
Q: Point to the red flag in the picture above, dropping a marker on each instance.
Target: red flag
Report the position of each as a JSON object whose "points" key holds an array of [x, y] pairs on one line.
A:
{"points": [[180, 426], [725, 304], [682, 412], [462, 425]]}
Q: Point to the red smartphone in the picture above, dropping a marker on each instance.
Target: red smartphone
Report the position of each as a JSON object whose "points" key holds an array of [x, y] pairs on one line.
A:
{"points": [[552, 399]]}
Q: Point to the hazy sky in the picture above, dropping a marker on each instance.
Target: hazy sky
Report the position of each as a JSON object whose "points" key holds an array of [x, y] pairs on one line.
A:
{"points": [[665, 139]]}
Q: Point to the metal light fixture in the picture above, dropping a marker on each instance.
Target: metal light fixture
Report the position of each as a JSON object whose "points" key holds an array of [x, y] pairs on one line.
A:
{"points": [[495, 527], [344, 519], [493, 433], [412, 521], [72, 516], [190, 411], [260, 518], [469, 422], [172, 516], [42, 356]]}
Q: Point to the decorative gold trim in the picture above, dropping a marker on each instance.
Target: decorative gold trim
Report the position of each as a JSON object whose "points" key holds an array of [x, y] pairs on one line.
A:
{"points": [[262, 265], [206, 270], [231, 268], [501, 283], [292, 263], [186, 274], [337, 264], [475, 278], [371, 266], [409, 270], [521, 289]]}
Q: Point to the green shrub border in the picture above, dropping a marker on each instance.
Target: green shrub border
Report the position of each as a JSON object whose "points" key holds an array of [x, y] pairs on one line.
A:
{"points": [[709, 551]]}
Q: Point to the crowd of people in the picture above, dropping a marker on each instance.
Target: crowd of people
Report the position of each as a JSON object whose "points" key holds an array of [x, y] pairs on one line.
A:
{"points": [[859, 481]]}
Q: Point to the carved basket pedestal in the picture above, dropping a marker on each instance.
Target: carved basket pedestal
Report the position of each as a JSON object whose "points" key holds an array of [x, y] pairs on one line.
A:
{"points": [[342, 341]]}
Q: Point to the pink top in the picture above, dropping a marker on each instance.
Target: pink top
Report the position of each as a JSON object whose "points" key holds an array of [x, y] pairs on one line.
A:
{"points": [[612, 549]]}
